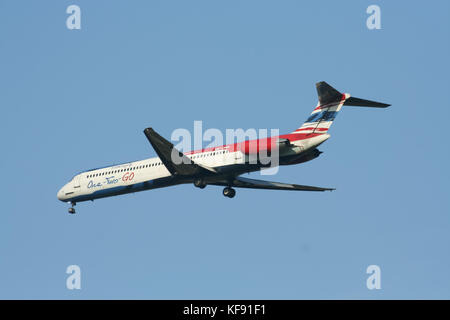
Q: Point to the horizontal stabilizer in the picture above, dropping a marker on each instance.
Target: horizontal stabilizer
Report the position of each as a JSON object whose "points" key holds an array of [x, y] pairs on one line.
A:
{"points": [[357, 102]]}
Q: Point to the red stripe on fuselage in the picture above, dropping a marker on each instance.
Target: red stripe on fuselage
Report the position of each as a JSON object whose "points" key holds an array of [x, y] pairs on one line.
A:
{"points": [[254, 145], [312, 128]]}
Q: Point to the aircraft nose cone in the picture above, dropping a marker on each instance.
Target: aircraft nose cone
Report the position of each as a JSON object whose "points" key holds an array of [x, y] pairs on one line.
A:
{"points": [[60, 195]]}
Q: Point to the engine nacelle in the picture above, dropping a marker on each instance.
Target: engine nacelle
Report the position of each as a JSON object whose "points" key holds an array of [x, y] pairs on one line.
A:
{"points": [[303, 158]]}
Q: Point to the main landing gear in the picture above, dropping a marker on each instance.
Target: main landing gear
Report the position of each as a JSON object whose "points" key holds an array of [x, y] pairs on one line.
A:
{"points": [[229, 192], [199, 183], [72, 209]]}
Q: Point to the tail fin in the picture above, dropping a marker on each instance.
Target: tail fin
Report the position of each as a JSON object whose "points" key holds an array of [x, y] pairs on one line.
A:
{"points": [[330, 103]]}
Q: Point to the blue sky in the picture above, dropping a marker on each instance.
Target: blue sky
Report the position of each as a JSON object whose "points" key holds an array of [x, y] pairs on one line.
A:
{"points": [[77, 99]]}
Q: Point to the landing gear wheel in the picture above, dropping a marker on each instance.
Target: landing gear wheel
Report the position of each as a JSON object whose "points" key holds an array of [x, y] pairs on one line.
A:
{"points": [[229, 192], [199, 183], [72, 209]]}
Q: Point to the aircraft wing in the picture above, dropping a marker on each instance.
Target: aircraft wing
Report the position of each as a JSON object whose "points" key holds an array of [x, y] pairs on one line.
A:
{"points": [[175, 161], [240, 182]]}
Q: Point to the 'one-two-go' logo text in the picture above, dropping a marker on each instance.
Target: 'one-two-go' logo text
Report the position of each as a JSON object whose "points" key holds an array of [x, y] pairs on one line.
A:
{"points": [[128, 176]]}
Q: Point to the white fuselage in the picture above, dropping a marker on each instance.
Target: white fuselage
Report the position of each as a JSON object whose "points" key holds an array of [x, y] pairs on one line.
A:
{"points": [[132, 176], [151, 173]]}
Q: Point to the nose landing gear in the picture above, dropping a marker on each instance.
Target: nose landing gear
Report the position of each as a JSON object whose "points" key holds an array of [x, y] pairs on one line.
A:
{"points": [[229, 192], [72, 209]]}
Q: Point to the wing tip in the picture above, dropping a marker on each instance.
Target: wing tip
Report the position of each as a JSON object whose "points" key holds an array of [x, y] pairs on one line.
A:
{"points": [[148, 130]]}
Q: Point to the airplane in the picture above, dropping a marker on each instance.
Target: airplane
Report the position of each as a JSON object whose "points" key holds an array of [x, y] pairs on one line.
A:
{"points": [[218, 166]]}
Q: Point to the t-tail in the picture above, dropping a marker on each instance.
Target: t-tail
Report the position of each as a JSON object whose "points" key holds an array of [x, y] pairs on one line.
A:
{"points": [[330, 103]]}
